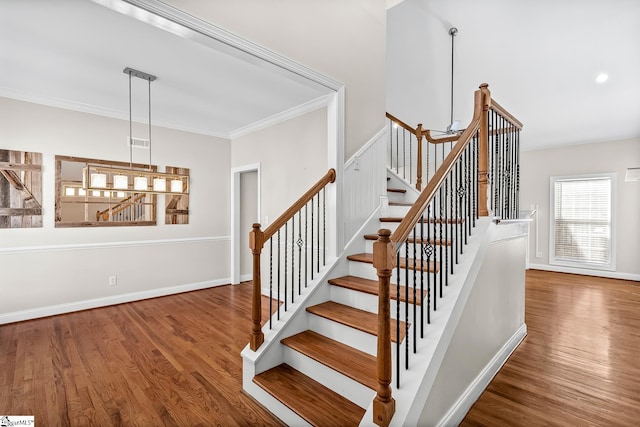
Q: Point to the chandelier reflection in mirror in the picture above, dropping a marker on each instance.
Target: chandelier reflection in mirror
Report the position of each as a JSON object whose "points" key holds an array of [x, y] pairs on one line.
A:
{"points": [[100, 178]]}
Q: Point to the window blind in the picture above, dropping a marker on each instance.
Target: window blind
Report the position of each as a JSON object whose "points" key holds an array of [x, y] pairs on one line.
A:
{"points": [[582, 220]]}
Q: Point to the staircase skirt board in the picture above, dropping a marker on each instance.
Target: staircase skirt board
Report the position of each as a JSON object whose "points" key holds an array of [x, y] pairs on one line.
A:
{"points": [[312, 401]]}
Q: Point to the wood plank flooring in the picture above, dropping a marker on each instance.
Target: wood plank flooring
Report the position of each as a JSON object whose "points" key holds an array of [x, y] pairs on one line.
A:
{"points": [[172, 361], [175, 361], [580, 362]]}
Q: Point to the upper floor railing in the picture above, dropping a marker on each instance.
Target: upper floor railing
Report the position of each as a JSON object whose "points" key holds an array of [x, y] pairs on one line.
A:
{"points": [[414, 154], [478, 177]]}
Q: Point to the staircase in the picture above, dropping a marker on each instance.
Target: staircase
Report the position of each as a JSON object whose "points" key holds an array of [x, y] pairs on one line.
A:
{"points": [[329, 374], [323, 365]]}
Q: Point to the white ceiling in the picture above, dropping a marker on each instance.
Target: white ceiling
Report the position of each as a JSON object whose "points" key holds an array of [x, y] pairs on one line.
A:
{"points": [[540, 58], [72, 53]]}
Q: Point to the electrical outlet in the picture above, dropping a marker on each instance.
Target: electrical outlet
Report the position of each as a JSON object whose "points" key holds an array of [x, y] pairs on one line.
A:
{"points": [[113, 280]]}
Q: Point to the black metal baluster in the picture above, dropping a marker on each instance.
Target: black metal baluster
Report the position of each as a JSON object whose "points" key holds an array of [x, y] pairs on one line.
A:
{"points": [[398, 319], [312, 245], [278, 291], [422, 272], [300, 242], [286, 251], [406, 304], [444, 224], [441, 235], [415, 284], [318, 234], [429, 251], [293, 257], [436, 240], [324, 227]]}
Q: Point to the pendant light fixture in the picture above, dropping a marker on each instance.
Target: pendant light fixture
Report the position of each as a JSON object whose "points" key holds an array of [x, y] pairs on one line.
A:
{"points": [[97, 177], [454, 125]]}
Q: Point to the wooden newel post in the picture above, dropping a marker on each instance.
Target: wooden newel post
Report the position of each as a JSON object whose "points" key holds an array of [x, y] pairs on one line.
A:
{"points": [[384, 260], [483, 153], [256, 241], [419, 165]]}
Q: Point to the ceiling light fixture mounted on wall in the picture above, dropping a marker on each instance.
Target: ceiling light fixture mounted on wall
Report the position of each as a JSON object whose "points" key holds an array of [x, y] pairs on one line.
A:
{"points": [[135, 180]]}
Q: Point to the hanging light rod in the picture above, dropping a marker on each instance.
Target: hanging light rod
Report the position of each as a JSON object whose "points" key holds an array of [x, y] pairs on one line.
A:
{"points": [[141, 74]]}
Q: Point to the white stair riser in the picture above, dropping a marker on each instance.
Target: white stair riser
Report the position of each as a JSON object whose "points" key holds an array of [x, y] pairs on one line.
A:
{"points": [[369, 302], [355, 299], [344, 334], [339, 383], [366, 271], [395, 211], [403, 249]]}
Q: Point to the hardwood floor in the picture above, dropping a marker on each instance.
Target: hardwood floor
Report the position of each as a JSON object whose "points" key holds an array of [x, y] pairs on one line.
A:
{"points": [[166, 361], [580, 362], [175, 361]]}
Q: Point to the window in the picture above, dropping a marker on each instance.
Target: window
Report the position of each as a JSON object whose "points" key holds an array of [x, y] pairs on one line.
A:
{"points": [[582, 227]]}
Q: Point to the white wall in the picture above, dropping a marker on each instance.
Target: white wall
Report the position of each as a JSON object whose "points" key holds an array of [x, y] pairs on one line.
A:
{"points": [[292, 157], [69, 267], [616, 156], [344, 40], [491, 324]]}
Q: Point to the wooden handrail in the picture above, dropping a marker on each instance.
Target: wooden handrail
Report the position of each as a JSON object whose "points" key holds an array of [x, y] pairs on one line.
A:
{"points": [[507, 115], [258, 237], [401, 123], [440, 140], [328, 178], [413, 216]]}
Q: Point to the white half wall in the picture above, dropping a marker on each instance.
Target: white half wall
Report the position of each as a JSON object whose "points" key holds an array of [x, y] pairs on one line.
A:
{"points": [[491, 326]]}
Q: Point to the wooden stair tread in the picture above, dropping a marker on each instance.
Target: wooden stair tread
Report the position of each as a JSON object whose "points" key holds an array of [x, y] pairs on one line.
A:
{"points": [[351, 362], [400, 204], [426, 220], [409, 263], [371, 287], [361, 320], [312, 401], [411, 239], [396, 190]]}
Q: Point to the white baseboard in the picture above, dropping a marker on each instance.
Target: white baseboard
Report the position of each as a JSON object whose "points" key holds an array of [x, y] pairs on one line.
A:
{"points": [[458, 411], [52, 310], [586, 272]]}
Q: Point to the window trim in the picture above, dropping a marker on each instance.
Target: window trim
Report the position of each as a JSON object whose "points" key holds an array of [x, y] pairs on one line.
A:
{"points": [[611, 266]]}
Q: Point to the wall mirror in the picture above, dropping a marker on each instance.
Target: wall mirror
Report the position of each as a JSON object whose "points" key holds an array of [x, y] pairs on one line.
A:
{"points": [[77, 207]]}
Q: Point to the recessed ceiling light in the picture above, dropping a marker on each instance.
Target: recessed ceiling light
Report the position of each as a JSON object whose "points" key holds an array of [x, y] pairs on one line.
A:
{"points": [[602, 77]]}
